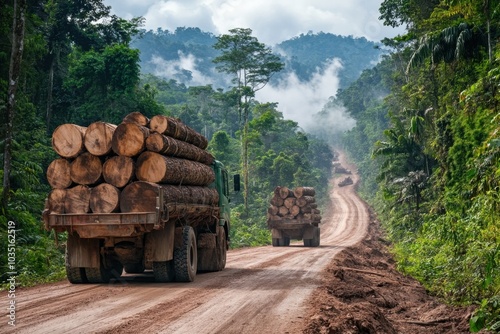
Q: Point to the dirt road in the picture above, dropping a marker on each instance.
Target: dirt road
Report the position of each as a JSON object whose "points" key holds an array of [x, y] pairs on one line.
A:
{"points": [[262, 290]]}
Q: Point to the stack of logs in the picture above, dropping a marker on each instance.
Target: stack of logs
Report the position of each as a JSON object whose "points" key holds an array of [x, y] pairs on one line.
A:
{"points": [[106, 168], [296, 204]]}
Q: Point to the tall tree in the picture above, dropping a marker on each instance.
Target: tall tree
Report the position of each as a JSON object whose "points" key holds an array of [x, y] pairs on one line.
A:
{"points": [[18, 26], [251, 64]]}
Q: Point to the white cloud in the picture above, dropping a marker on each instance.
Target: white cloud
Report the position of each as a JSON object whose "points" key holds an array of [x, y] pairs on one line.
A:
{"points": [[272, 21], [300, 101], [173, 69]]}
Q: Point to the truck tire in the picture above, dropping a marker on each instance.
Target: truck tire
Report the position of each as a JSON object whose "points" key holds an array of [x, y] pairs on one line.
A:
{"points": [[135, 268], [164, 271], [276, 242], [315, 239], [285, 241], [185, 257], [75, 275], [102, 274], [221, 248]]}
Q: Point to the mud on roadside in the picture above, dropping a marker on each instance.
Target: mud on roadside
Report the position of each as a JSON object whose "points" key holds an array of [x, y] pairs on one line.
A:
{"points": [[363, 293]]}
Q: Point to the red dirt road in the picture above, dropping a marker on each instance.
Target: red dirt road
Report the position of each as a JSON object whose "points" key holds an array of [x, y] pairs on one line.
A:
{"points": [[262, 290]]}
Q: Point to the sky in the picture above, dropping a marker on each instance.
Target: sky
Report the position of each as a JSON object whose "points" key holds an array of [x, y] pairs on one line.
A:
{"points": [[272, 22]]}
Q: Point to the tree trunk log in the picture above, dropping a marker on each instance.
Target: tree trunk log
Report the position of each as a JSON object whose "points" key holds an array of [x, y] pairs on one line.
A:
{"points": [[119, 171], [289, 202], [77, 200], [104, 198], [98, 138], [55, 200], [68, 140], [304, 191], [295, 210], [277, 201], [159, 143], [86, 169], [59, 174], [283, 211], [154, 167], [129, 139], [284, 192], [141, 196], [273, 210], [137, 118], [304, 200], [175, 128]]}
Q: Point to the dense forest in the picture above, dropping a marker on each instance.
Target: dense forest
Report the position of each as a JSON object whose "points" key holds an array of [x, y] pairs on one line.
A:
{"points": [[430, 113], [426, 139]]}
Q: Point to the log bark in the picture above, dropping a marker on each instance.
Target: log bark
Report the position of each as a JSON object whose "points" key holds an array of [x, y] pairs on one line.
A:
{"points": [[162, 144], [55, 200], [119, 171], [304, 191], [305, 200], [77, 199], [154, 167], [129, 139], [137, 118], [172, 127], [98, 138], [104, 198], [59, 174], [68, 140], [141, 196], [86, 169]]}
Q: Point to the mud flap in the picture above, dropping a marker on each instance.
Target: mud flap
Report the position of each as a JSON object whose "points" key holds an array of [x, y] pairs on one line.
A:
{"points": [[84, 253], [160, 244], [308, 232], [276, 234]]}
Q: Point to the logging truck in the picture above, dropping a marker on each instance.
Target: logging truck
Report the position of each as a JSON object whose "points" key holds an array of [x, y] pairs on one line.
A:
{"points": [[294, 215], [143, 195]]}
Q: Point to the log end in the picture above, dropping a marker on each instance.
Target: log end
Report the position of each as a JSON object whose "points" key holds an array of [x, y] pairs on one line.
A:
{"points": [[68, 140]]}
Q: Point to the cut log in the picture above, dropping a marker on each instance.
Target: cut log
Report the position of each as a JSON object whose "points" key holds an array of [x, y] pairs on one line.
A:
{"points": [[77, 199], [55, 200], [159, 143], [283, 211], [104, 198], [119, 171], [154, 167], [289, 202], [295, 210], [273, 210], [304, 191], [305, 200], [141, 196], [277, 201], [129, 139], [284, 192], [86, 169], [59, 174], [68, 140], [172, 127], [137, 118], [98, 138]]}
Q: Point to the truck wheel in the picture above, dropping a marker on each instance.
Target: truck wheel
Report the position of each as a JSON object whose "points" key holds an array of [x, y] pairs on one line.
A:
{"points": [[307, 242], [163, 271], [185, 257], [315, 239], [276, 242], [285, 241], [221, 248], [76, 275], [135, 268], [98, 275]]}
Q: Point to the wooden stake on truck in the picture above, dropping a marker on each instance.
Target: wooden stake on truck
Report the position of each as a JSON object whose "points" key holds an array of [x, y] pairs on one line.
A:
{"points": [[129, 205], [293, 214]]}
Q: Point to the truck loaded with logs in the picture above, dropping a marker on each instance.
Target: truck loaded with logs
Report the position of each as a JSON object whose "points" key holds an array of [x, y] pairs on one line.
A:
{"points": [[144, 194], [294, 214]]}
